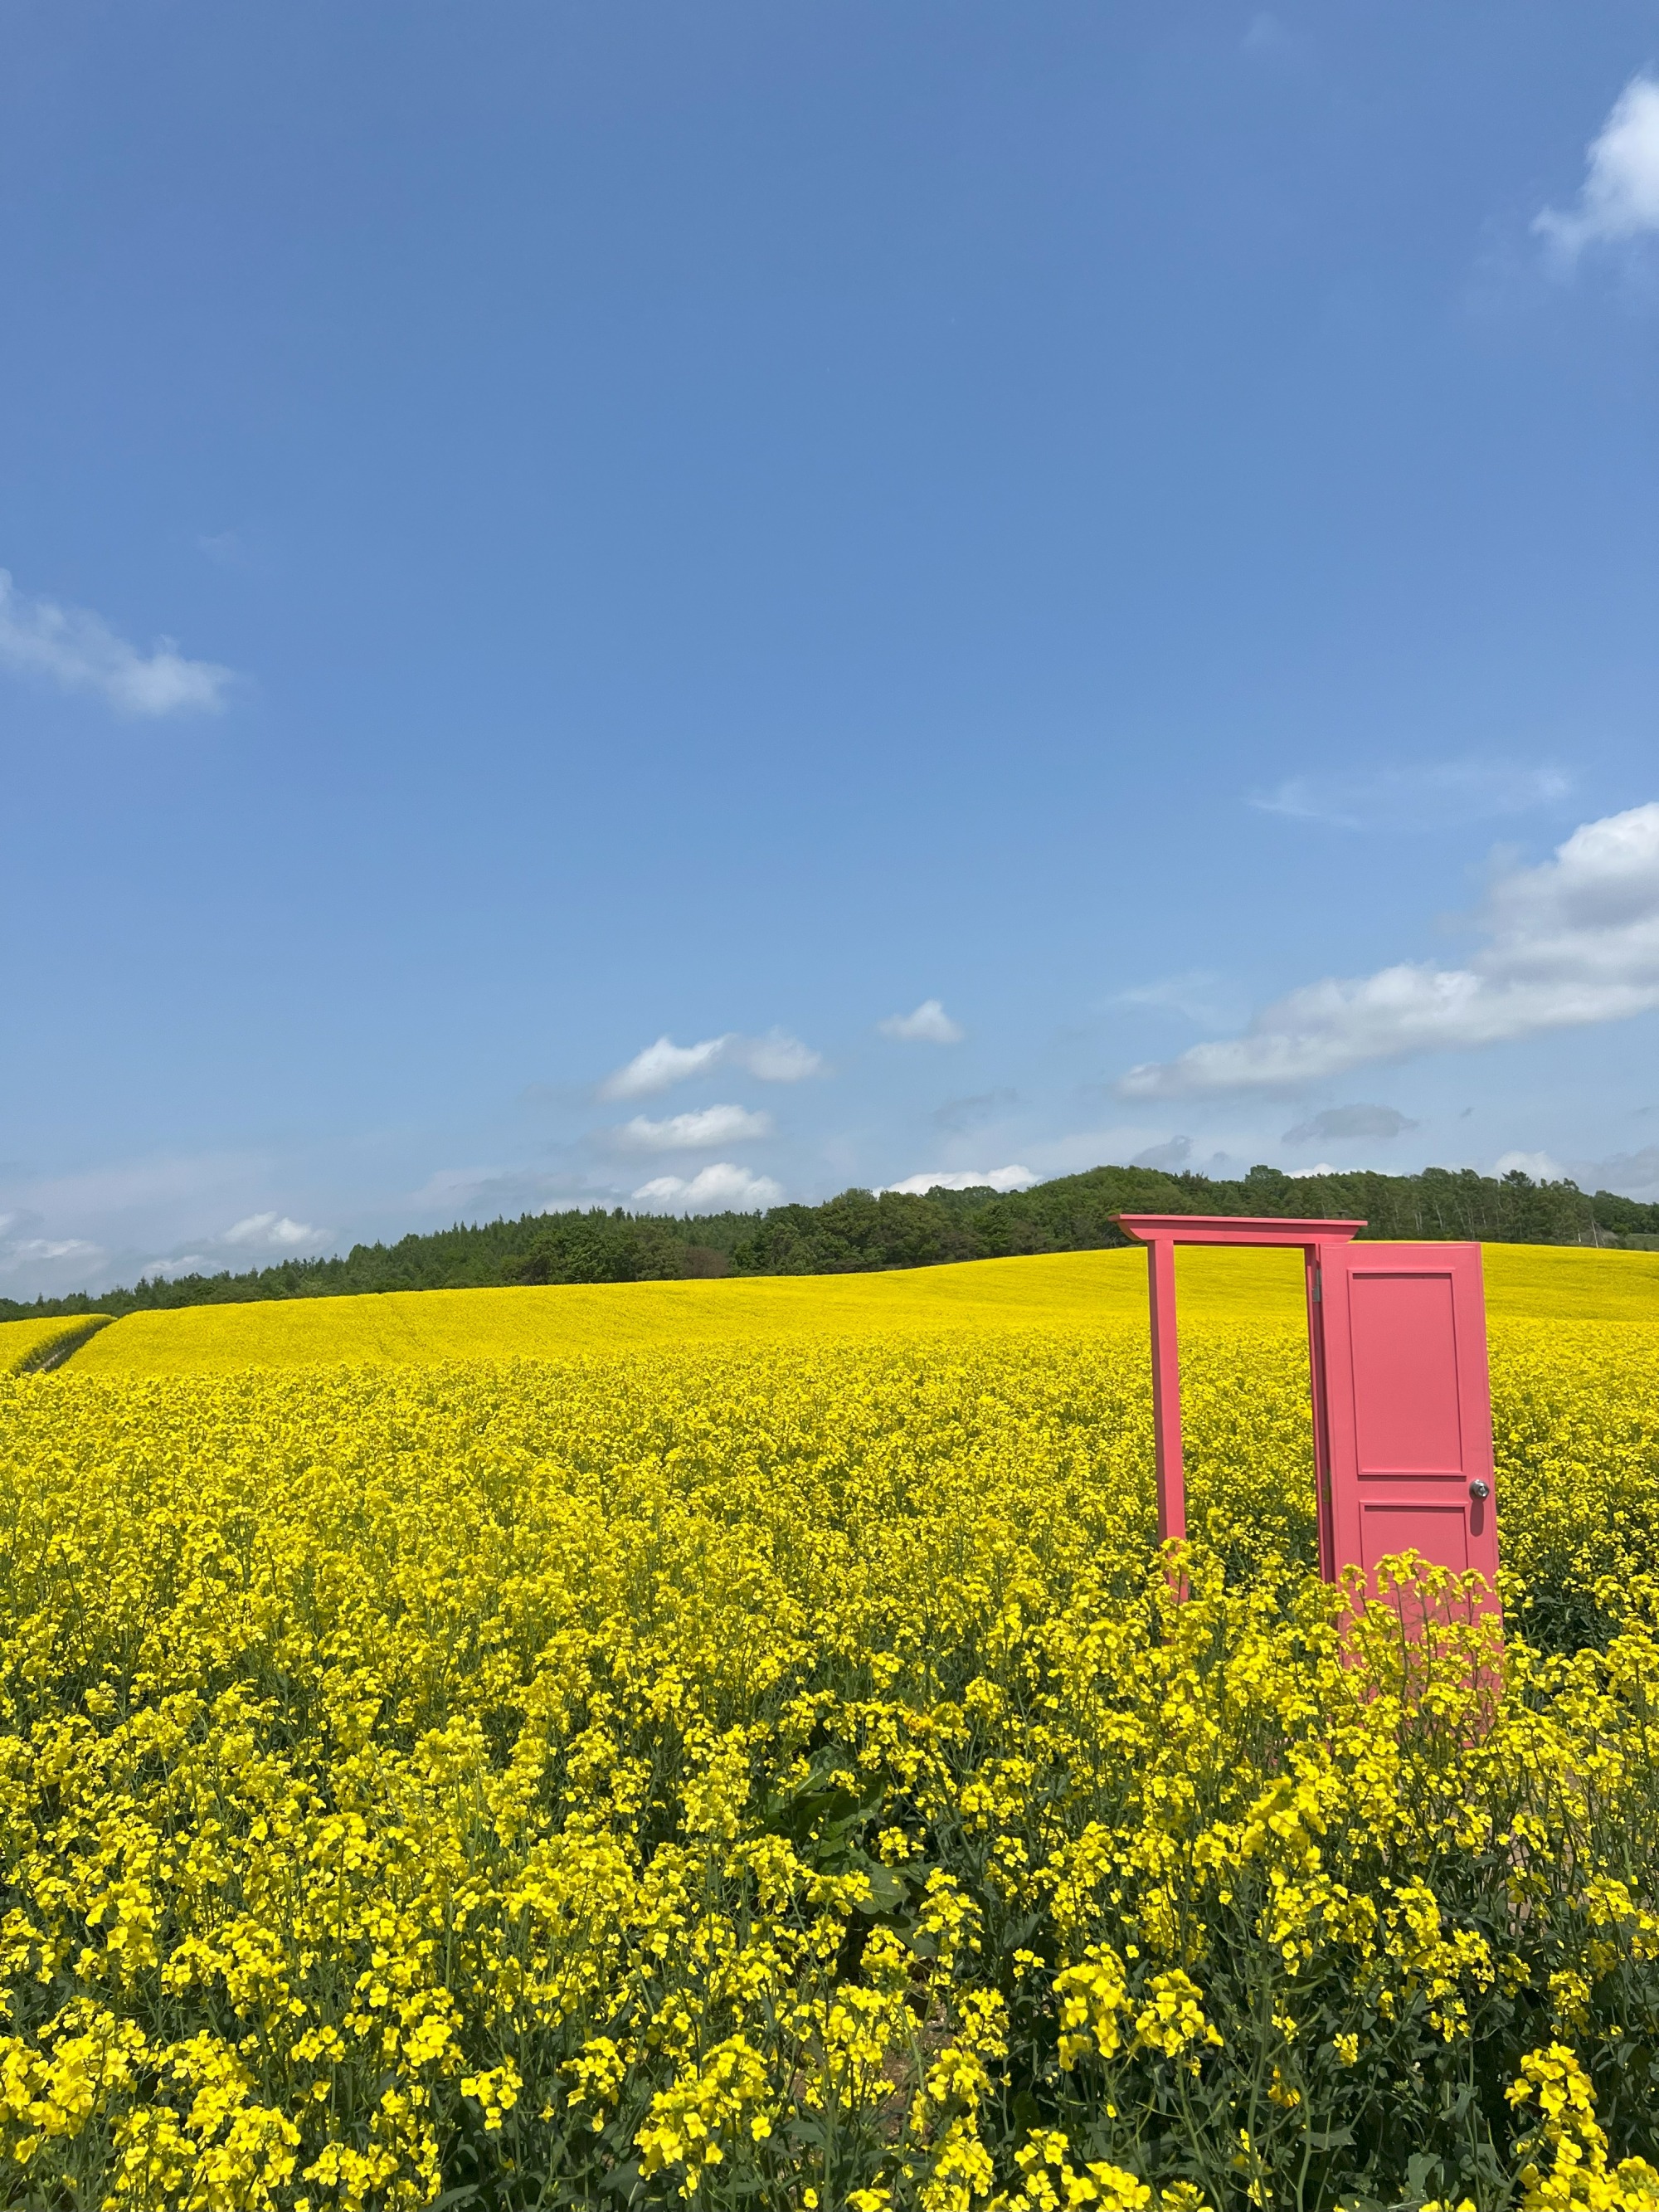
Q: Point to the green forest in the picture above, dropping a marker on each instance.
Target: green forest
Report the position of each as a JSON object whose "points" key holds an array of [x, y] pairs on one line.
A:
{"points": [[860, 1232]]}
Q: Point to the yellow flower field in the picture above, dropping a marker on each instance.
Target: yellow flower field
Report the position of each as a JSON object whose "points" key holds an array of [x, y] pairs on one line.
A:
{"points": [[23, 1342], [774, 1769], [1065, 1289]]}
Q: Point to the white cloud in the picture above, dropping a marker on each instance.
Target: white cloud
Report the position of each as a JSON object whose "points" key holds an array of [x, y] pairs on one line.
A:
{"points": [[929, 1024], [687, 1133], [776, 1058], [1433, 796], [1009, 1178], [1573, 941], [662, 1065], [1539, 1165], [723, 1188], [79, 652], [1301, 1174], [273, 1230], [1618, 199]]}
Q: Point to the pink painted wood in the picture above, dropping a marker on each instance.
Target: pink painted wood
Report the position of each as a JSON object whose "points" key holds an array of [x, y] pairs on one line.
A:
{"points": [[1401, 1403], [1161, 1233], [1401, 1331]]}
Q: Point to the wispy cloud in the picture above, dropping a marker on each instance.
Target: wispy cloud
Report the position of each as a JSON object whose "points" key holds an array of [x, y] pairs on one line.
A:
{"points": [[1434, 795], [958, 1114], [721, 1189], [273, 1231], [1349, 1122], [78, 651], [225, 549], [20, 1251], [776, 1058], [102, 1224], [1635, 1175], [457, 1186], [1573, 941], [928, 1024], [1266, 34], [101, 1192], [483, 1193], [688, 1133], [1619, 199], [1009, 1178], [1193, 994]]}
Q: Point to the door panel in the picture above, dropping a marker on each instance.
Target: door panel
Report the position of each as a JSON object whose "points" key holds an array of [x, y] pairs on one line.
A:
{"points": [[1439, 1532], [1406, 1409], [1408, 1430]]}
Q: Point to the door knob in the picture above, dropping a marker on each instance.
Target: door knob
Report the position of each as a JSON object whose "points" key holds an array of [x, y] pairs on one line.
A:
{"points": [[1480, 1489]]}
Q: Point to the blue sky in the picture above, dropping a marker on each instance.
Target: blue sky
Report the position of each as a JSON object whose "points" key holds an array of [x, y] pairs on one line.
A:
{"points": [[736, 600]]}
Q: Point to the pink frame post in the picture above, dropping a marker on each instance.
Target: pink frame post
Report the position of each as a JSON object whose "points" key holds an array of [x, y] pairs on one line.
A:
{"points": [[1160, 1233], [1166, 1392]]}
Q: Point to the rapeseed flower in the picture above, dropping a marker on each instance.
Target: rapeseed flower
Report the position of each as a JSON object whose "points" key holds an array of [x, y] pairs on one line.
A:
{"points": [[782, 1770]]}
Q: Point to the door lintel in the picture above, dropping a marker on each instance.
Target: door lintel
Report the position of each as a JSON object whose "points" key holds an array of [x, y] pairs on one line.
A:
{"points": [[1160, 1233], [1234, 1229]]}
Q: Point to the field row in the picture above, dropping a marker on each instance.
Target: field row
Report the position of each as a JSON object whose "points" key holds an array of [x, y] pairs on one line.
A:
{"points": [[1065, 1290]]}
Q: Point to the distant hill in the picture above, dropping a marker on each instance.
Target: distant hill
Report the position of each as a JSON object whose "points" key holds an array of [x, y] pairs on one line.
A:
{"points": [[859, 1231]]}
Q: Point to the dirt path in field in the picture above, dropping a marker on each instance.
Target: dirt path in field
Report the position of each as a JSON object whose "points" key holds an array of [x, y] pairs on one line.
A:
{"points": [[65, 1347]]}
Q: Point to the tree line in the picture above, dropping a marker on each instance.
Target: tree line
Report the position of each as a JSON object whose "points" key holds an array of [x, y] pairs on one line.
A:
{"points": [[863, 1230]]}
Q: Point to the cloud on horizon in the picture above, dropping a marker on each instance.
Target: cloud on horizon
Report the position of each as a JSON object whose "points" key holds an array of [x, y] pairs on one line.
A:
{"points": [[1175, 1153], [723, 1188], [478, 1191], [1571, 942], [20, 1251], [1633, 1175], [78, 651], [274, 1231], [1001, 1179], [1542, 1167], [776, 1057], [1619, 199]]}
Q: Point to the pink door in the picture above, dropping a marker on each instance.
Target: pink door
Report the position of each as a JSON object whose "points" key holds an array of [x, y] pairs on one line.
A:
{"points": [[1406, 1435]]}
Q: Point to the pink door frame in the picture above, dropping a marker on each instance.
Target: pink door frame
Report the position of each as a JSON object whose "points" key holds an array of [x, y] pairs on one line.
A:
{"points": [[1160, 1233], [1401, 1404]]}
